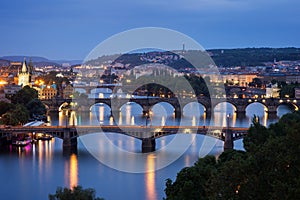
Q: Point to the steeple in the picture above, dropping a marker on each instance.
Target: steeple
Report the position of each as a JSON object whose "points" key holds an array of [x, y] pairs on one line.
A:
{"points": [[23, 76], [24, 67]]}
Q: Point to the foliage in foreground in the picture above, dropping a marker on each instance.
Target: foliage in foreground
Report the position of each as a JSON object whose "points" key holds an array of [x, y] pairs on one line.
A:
{"points": [[24, 105], [269, 169], [76, 193]]}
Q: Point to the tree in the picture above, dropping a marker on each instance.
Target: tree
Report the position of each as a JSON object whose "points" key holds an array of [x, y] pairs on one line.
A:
{"points": [[76, 193], [36, 107], [269, 169], [4, 107], [288, 91], [191, 181], [17, 116], [256, 82], [229, 177], [21, 114], [9, 119], [257, 135], [25, 95]]}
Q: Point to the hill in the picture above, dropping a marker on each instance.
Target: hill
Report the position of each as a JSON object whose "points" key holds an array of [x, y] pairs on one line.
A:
{"points": [[253, 56], [222, 57]]}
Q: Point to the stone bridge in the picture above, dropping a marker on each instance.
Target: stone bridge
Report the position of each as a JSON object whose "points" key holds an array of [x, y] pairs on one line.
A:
{"points": [[239, 104]]}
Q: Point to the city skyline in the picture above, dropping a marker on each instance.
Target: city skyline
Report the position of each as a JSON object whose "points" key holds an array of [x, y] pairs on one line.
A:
{"points": [[68, 29]]}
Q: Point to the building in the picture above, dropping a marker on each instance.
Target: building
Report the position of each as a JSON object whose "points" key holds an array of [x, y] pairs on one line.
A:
{"points": [[297, 93], [10, 90], [292, 78], [68, 92], [238, 79], [24, 75], [272, 91], [47, 93]]}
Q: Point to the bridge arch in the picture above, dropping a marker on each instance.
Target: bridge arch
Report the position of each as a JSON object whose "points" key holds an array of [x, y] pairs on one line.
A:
{"points": [[46, 106], [64, 105], [125, 107], [98, 104], [257, 103], [224, 106], [194, 109], [80, 90], [161, 106], [290, 105]]}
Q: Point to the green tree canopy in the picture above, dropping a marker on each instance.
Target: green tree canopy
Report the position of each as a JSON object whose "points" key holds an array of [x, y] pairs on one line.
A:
{"points": [[19, 115], [76, 193], [36, 107], [25, 95], [5, 106], [268, 169]]}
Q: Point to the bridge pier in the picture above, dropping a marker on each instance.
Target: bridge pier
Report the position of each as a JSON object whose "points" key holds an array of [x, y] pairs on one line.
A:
{"points": [[69, 142], [240, 114], [115, 114], [148, 145], [178, 112], [272, 111], [145, 112], [208, 112], [272, 115], [228, 143], [84, 108]]}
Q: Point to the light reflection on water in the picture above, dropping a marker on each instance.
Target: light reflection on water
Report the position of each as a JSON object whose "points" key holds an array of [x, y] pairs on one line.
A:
{"points": [[36, 170], [150, 177], [73, 171]]}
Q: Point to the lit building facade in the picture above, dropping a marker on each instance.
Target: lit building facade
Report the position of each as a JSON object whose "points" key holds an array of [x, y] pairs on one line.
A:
{"points": [[47, 93]]}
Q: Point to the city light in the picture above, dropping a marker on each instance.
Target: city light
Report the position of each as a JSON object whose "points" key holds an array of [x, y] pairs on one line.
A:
{"points": [[2, 82]]}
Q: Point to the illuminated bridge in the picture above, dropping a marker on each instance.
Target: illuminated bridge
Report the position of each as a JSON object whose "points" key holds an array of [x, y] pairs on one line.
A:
{"points": [[239, 104], [146, 134]]}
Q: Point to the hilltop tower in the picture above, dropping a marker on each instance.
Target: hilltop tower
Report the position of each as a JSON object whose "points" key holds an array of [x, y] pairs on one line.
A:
{"points": [[24, 75]]}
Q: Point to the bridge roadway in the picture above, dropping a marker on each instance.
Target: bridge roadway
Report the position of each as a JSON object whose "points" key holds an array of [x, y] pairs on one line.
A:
{"points": [[146, 134]]}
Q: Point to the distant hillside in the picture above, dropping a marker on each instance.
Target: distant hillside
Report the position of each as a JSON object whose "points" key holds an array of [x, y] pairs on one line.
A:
{"points": [[71, 62], [38, 61], [253, 56], [4, 62], [21, 58], [222, 57]]}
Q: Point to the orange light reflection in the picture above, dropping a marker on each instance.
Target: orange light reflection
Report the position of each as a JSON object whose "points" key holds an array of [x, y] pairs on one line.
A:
{"points": [[73, 171], [150, 178]]}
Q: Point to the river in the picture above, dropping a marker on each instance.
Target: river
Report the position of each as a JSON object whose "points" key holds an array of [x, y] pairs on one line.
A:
{"points": [[36, 170]]}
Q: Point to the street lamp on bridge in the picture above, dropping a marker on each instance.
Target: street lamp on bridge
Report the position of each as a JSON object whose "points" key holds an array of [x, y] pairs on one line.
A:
{"points": [[228, 120], [147, 118], [228, 143]]}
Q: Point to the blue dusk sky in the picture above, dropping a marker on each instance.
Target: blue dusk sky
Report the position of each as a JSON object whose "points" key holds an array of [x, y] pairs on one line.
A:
{"points": [[70, 29]]}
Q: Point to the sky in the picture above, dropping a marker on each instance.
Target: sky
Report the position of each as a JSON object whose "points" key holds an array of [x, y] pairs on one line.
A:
{"points": [[70, 29]]}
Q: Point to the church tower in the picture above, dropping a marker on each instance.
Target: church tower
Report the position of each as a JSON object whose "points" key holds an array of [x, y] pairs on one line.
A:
{"points": [[24, 75]]}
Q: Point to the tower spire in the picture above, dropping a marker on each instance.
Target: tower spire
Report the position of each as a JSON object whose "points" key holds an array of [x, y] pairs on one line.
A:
{"points": [[24, 67]]}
